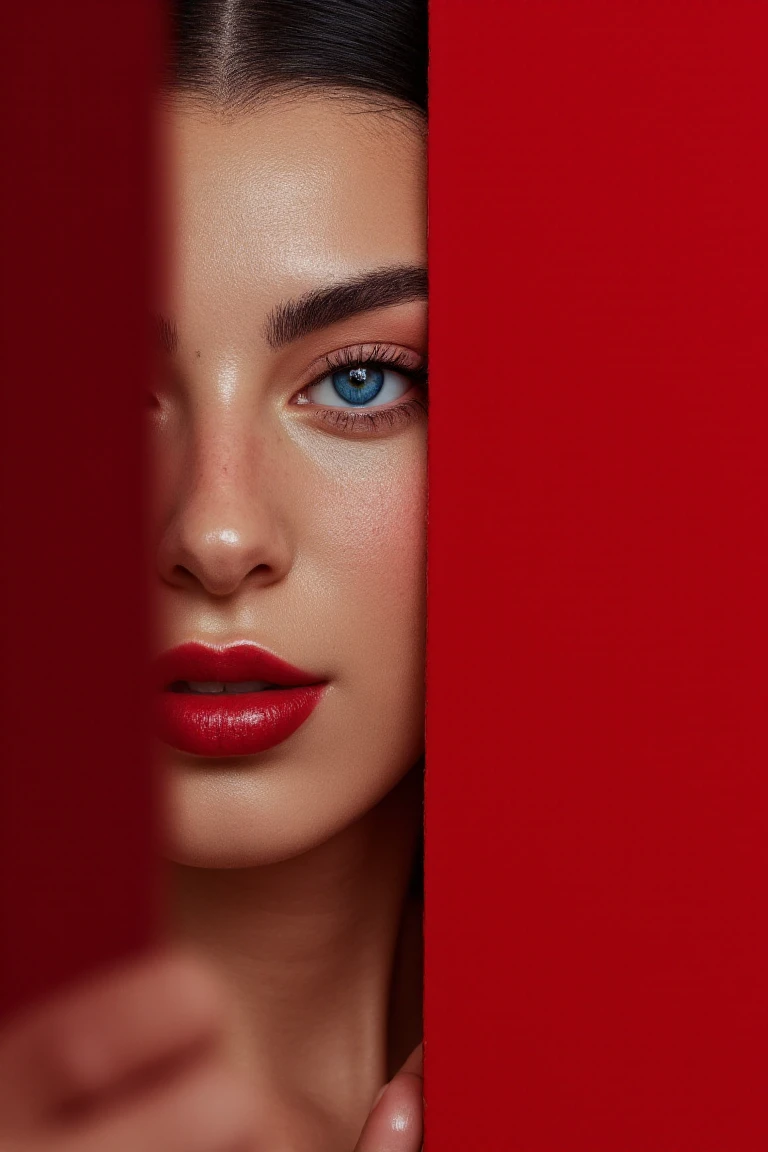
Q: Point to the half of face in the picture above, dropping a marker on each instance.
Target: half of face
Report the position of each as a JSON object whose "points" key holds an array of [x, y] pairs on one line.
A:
{"points": [[288, 424]]}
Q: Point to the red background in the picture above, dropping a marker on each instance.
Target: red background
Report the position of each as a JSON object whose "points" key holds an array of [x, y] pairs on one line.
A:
{"points": [[597, 776], [596, 844]]}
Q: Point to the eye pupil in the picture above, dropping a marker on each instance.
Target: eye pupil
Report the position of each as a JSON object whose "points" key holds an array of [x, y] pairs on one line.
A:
{"points": [[358, 385]]}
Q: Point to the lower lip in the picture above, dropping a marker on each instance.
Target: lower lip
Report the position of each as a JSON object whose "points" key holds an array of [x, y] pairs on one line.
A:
{"points": [[236, 724]]}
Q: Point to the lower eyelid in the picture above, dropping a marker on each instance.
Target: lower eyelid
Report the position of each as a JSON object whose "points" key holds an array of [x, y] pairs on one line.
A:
{"points": [[371, 421]]}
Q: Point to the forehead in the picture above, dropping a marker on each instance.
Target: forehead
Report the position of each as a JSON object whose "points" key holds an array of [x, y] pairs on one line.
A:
{"points": [[293, 194]]}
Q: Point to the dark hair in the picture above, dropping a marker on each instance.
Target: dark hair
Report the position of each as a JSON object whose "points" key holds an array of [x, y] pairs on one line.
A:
{"points": [[233, 52]]}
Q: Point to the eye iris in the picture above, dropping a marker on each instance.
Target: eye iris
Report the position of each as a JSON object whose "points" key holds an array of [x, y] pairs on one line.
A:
{"points": [[358, 385]]}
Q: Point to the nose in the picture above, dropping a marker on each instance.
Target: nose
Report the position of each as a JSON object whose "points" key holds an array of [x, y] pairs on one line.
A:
{"points": [[226, 529]]}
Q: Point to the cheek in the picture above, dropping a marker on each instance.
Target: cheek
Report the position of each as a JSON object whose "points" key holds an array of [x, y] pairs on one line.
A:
{"points": [[371, 568], [372, 523]]}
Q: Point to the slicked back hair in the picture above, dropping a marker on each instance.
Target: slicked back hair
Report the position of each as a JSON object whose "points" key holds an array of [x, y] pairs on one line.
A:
{"points": [[235, 52]]}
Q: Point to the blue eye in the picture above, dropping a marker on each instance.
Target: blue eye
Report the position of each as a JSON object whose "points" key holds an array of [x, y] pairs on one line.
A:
{"points": [[358, 385]]}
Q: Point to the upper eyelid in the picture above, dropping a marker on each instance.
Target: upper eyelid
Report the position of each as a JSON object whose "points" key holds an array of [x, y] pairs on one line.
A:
{"points": [[362, 353], [368, 348]]}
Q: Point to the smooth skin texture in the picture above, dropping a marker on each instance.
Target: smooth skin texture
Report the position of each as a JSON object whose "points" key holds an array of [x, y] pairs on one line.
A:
{"points": [[277, 523], [270, 525]]}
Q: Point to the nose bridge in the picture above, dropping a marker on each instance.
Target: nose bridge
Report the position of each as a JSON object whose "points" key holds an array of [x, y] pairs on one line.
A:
{"points": [[227, 526], [217, 504]]}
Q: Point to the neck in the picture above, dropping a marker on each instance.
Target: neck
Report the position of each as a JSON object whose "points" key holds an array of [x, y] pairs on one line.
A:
{"points": [[308, 948]]}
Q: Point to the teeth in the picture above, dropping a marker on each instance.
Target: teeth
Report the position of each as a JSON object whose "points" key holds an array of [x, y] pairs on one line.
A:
{"points": [[216, 687], [247, 686]]}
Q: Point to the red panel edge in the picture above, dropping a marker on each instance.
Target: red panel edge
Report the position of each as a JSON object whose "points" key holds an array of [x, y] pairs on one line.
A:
{"points": [[76, 848]]}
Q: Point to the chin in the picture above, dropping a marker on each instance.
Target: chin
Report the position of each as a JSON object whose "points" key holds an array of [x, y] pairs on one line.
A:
{"points": [[242, 814]]}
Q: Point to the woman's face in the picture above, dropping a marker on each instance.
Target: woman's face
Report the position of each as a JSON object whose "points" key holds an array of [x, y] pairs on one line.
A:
{"points": [[289, 435]]}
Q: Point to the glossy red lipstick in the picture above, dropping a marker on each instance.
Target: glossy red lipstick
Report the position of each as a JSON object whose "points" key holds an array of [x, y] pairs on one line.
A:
{"points": [[230, 701]]}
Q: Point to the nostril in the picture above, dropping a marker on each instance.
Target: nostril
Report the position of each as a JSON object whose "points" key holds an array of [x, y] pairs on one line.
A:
{"points": [[220, 579], [183, 575], [260, 570], [193, 557]]}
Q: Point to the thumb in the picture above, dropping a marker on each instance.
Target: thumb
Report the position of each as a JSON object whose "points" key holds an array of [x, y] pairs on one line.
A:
{"points": [[396, 1120]]}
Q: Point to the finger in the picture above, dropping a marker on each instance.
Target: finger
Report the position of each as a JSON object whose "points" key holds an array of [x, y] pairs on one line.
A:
{"points": [[414, 1065], [206, 1109], [396, 1120], [88, 1041]]}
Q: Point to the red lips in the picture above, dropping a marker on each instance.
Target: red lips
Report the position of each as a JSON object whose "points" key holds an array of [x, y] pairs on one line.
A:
{"points": [[193, 715]]}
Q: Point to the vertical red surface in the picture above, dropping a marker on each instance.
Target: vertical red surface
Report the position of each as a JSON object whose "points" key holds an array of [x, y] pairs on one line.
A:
{"points": [[597, 777], [75, 836]]}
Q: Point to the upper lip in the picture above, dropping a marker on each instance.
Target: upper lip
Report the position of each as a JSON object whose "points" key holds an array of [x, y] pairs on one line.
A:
{"points": [[228, 663]]}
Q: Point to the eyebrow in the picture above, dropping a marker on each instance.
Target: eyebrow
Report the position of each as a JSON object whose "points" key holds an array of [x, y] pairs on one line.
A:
{"points": [[381, 288]]}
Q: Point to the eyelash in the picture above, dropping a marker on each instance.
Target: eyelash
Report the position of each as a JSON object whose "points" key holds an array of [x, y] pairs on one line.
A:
{"points": [[348, 420], [352, 420]]}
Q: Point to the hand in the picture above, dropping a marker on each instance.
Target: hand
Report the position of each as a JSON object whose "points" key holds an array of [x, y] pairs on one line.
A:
{"points": [[134, 1062], [395, 1123]]}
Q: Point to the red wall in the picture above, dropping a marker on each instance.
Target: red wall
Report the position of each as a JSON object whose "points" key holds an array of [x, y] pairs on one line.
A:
{"points": [[597, 833]]}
